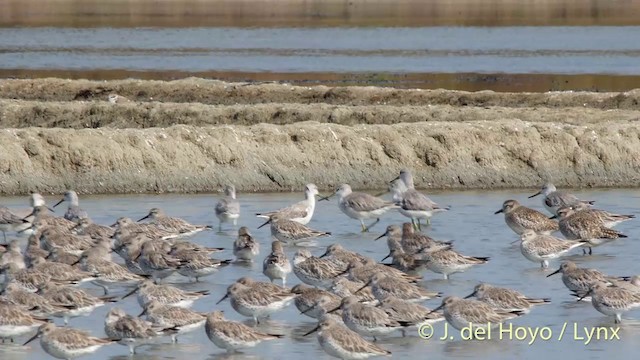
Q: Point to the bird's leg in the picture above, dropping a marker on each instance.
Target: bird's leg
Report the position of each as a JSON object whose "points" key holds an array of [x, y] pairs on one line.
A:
{"points": [[374, 339], [420, 225], [370, 226], [364, 228], [4, 234], [590, 251]]}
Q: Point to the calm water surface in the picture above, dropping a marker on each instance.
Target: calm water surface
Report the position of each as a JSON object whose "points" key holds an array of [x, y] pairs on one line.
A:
{"points": [[470, 223]]}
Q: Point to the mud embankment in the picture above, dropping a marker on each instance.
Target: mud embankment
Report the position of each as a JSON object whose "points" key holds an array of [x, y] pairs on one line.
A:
{"points": [[196, 135]]}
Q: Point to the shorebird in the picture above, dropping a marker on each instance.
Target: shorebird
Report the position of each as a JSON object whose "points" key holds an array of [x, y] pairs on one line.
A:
{"points": [[157, 262], [25, 229], [583, 225], [315, 271], [310, 300], [9, 221], [542, 248], [396, 188], [13, 255], [200, 265], [409, 312], [368, 320], [67, 343], [412, 242], [383, 285], [464, 313], [361, 206], [276, 265], [61, 271], [165, 294], [228, 208], [182, 319], [394, 236], [358, 271], [341, 256], [28, 279], [245, 248], [608, 219], [74, 212], [504, 299], [36, 304], [344, 287], [612, 300], [77, 301], [257, 302], [414, 204], [96, 231], [552, 200], [232, 335], [404, 262], [447, 262], [173, 224], [108, 273], [580, 280], [343, 343], [132, 331], [300, 212], [292, 232], [520, 218], [16, 321]]}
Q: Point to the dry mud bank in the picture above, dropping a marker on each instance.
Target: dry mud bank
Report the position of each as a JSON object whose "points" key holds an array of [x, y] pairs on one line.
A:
{"points": [[265, 157], [196, 135]]}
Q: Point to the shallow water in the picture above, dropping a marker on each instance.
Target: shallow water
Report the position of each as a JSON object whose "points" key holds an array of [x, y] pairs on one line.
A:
{"points": [[470, 223]]}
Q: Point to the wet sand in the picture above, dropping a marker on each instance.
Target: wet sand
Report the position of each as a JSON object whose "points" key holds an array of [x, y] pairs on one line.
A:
{"points": [[195, 135]]}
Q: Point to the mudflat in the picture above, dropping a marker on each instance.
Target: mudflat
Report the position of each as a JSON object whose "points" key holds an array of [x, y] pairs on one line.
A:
{"points": [[195, 135]]}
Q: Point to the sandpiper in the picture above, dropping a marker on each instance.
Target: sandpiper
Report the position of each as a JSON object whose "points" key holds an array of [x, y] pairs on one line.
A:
{"points": [[552, 200], [310, 300], [232, 335], [9, 221], [542, 248], [504, 299], [156, 262], [257, 302], [583, 225], [358, 271], [165, 294], [16, 321], [344, 287], [96, 231], [368, 320], [343, 343], [182, 319], [383, 285], [74, 212], [612, 300], [132, 331], [61, 271], [77, 301], [109, 273], [300, 212], [464, 313], [447, 262], [413, 242], [13, 255], [67, 343], [200, 265], [416, 205], [228, 208], [315, 271], [245, 248], [409, 312], [609, 219], [173, 224], [342, 256], [405, 262], [292, 232], [276, 265], [361, 206], [37, 304], [580, 280], [520, 218]]}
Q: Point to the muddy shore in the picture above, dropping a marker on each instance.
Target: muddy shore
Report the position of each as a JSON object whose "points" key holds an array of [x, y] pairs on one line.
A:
{"points": [[195, 135]]}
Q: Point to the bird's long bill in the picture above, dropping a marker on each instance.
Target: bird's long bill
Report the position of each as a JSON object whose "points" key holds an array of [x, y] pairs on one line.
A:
{"points": [[386, 257], [265, 223], [395, 178], [143, 312], [365, 285], [223, 298], [554, 217], [436, 309], [58, 203], [498, 212], [30, 215], [342, 273], [312, 331], [381, 236], [130, 292], [307, 310], [144, 218], [536, 194], [333, 310], [32, 338], [555, 272], [326, 253], [470, 295], [322, 198], [25, 229], [585, 295], [137, 257]]}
